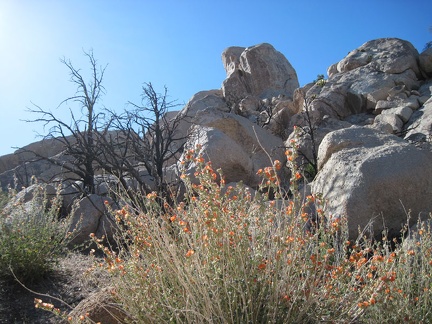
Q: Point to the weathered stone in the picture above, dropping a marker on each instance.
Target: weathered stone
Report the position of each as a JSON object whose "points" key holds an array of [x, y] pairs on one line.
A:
{"points": [[211, 99], [394, 121], [259, 71], [46, 148], [388, 55], [100, 307], [404, 113], [412, 102], [409, 102], [353, 60], [29, 197], [383, 104], [304, 141], [332, 70], [423, 99], [373, 179], [420, 124], [250, 106], [231, 59], [382, 127], [398, 90], [235, 145], [92, 216], [278, 123], [360, 119], [337, 101], [425, 62], [374, 69]]}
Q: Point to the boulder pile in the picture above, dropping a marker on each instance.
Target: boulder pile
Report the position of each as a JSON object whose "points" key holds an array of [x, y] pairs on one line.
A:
{"points": [[367, 128]]}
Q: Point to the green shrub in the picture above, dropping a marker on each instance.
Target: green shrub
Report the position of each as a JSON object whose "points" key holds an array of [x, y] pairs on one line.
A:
{"points": [[32, 237]]}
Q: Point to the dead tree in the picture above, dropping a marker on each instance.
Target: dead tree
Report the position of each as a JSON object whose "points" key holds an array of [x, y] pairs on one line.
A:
{"points": [[147, 137], [77, 136], [307, 131]]}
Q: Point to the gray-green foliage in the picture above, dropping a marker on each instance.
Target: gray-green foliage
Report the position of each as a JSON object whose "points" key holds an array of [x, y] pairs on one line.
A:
{"points": [[32, 236], [320, 80], [4, 198]]}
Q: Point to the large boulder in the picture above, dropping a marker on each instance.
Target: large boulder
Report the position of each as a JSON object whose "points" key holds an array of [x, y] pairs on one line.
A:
{"points": [[425, 62], [101, 307], [373, 179], [387, 55], [257, 71], [210, 99], [92, 215], [365, 76], [236, 145], [47, 147], [17, 169], [29, 200]]}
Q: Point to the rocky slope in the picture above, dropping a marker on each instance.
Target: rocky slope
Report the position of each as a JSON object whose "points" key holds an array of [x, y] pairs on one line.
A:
{"points": [[371, 124]]}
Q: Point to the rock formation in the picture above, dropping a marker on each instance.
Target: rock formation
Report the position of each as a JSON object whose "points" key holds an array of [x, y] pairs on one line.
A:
{"points": [[373, 179], [257, 71], [371, 124]]}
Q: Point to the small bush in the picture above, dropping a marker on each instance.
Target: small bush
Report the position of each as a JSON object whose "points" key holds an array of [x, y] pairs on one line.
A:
{"points": [[32, 237]]}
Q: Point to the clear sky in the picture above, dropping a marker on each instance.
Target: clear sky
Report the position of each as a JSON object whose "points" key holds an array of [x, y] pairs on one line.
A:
{"points": [[177, 43]]}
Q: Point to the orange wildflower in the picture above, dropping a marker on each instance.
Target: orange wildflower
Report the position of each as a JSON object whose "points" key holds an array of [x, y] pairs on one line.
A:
{"points": [[190, 253], [262, 266]]}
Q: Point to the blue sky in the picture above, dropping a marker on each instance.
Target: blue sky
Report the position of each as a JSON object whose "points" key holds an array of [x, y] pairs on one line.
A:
{"points": [[174, 43]]}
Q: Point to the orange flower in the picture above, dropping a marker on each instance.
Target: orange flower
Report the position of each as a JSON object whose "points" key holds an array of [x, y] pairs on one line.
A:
{"points": [[262, 266], [190, 253], [152, 195], [277, 165], [298, 176], [377, 258], [289, 239], [200, 159]]}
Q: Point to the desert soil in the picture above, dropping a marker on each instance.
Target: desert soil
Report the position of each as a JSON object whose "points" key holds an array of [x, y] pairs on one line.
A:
{"points": [[70, 282]]}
